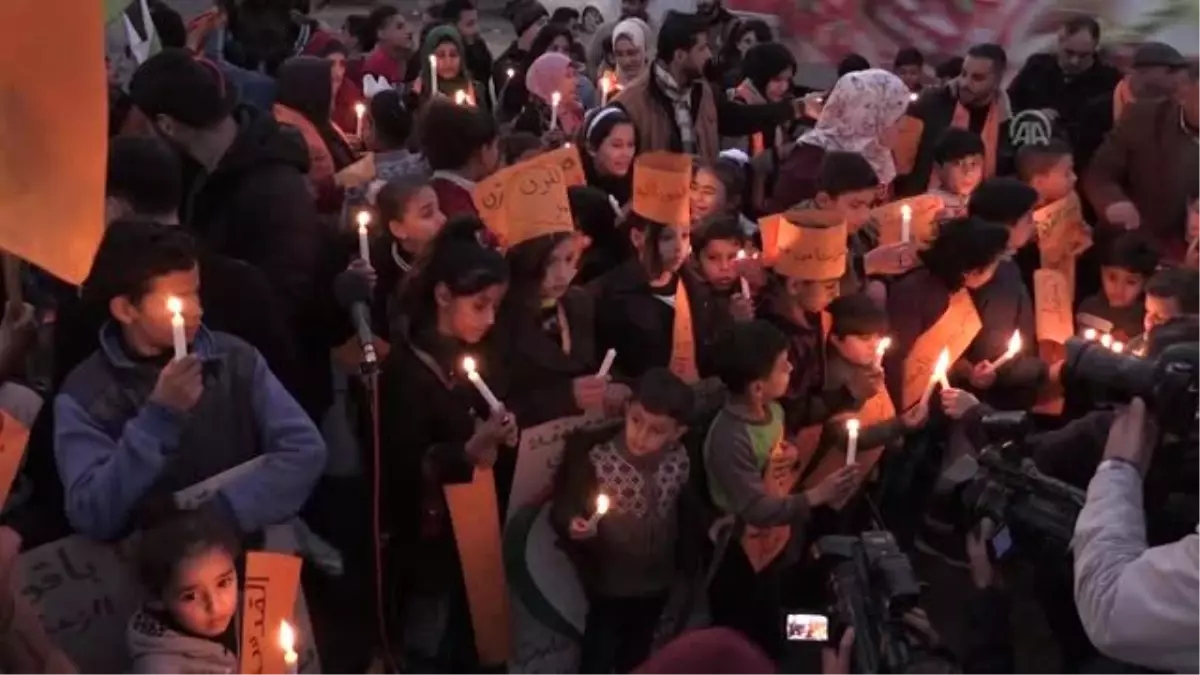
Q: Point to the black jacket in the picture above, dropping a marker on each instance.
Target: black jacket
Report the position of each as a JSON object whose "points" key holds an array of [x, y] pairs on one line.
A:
{"points": [[1042, 85]]}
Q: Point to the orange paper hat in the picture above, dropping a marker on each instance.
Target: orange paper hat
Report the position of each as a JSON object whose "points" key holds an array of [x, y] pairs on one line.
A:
{"points": [[662, 185], [805, 244], [529, 200]]}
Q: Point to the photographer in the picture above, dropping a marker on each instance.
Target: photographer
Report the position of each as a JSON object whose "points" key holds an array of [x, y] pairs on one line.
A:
{"points": [[1137, 604]]}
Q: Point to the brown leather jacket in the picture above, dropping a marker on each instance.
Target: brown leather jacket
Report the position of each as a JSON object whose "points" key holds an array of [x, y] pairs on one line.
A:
{"points": [[654, 116]]}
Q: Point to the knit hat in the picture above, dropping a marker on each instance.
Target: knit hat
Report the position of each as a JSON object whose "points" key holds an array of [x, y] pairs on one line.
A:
{"points": [[528, 15], [183, 87]]}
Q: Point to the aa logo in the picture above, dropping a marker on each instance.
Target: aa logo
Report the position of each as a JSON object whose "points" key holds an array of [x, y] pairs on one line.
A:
{"points": [[1029, 127]]}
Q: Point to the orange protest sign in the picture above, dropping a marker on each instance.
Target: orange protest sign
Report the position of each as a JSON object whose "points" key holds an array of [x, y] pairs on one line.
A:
{"points": [[476, 520], [1052, 301], [953, 331], [1062, 232], [268, 599], [662, 185], [54, 121], [14, 436], [683, 338], [877, 410], [529, 199], [763, 545], [889, 219], [806, 244], [906, 144]]}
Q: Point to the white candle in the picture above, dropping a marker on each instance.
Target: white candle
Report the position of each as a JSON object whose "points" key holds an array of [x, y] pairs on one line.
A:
{"points": [[905, 223], [851, 441], [492, 92], [472, 375], [1106, 340], [1014, 348], [601, 509], [287, 642], [460, 97], [510, 72], [605, 87], [364, 245], [175, 306], [741, 255], [1089, 334], [913, 97], [555, 99], [359, 111], [881, 349], [606, 365], [433, 75]]}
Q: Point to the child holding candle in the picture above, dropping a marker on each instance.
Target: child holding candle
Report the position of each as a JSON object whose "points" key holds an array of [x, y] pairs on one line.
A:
{"points": [[553, 105], [1126, 264], [434, 426], [444, 70], [183, 420], [718, 191], [186, 563], [629, 557], [409, 218], [753, 362], [721, 257], [957, 169]]}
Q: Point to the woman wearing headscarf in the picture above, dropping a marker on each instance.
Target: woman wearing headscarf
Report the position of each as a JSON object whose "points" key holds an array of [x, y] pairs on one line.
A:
{"points": [[629, 55], [745, 34], [860, 116], [768, 69], [446, 46], [551, 73], [304, 101]]}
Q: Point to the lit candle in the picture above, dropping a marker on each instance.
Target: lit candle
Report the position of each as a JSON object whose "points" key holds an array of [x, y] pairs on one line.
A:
{"points": [[905, 223], [460, 97], [1106, 340], [606, 365], [939, 374], [601, 509], [1014, 348], [287, 642], [1118, 346], [510, 72], [555, 99], [364, 247], [605, 87], [851, 441], [880, 349], [1089, 334], [433, 75], [741, 255], [175, 306], [913, 97], [472, 375], [359, 111]]}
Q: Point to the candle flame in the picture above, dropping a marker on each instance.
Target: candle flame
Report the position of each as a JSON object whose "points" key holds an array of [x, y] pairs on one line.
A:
{"points": [[174, 305], [852, 425], [913, 97], [469, 365], [363, 219], [556, 98], [510, 73], [460, 97], [287, 637], [883, 346], [1014, 344], [1118, 346], [906, 212], [602, 504], [741, 254], [1106, 340], [942, 365], [605, 84], [1089, 334], [360, 109], [433, 60]]}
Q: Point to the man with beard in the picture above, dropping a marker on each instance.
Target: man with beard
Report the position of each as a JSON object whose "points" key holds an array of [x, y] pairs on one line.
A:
{"points": [[720, 22], [971, 101], [1060, 84], [675, 109]]}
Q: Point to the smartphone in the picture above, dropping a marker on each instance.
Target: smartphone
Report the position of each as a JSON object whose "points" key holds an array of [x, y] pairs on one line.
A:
{"points": [[1001, 542], [808, 627]]}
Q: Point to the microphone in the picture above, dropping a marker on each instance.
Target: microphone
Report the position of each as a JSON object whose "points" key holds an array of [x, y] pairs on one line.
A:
{"points": [[353, 292]]}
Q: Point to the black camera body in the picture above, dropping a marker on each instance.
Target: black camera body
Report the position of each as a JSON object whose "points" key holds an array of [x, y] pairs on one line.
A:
{"points": [[873, 585]]}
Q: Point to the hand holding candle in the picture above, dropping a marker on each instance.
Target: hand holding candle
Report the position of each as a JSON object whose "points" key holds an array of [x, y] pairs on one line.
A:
{"points": [[905, 223], [287, 643], [178, 330], [494, 403], [601, 509], [359, 110], [852, 426], [940, 368], [364, 244], [555, 99], [1014, 348], [741, 255]]}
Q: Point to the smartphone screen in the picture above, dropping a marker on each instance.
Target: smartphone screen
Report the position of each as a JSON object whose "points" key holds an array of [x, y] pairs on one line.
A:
{"points": [[1001, 542], [808, 627]]}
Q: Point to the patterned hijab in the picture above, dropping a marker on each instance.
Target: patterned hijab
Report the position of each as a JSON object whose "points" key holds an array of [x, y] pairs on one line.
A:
{"points": [[861, 108]]}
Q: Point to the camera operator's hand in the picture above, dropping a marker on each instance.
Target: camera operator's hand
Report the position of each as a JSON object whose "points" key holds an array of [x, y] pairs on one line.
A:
{"points": [[836, 487], [957, 402], [1132, 436], [838, 661], [982, 572], [983, 375]]}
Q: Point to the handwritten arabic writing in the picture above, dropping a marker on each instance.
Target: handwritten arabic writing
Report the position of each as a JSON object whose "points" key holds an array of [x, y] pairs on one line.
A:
{"points": [[540, 453], [1052, 300], [954, 330]]}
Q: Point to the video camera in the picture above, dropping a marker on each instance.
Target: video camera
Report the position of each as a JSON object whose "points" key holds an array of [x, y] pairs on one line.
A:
{"points": [[873, 585], [1009, 490]]}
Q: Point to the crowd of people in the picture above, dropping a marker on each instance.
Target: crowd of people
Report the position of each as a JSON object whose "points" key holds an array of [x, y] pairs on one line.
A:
{"points": [[750, 279]]}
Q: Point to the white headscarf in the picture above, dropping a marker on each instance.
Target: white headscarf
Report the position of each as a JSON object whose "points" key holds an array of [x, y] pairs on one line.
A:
{"points": [[862, 106]]}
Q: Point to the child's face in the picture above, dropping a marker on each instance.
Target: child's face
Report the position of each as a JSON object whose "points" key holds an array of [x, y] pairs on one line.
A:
{"points": [[1121, 286], [961, 176], [776, 384], [813, 296], [469, 317], [1159, 310], [203, 596], [855, 207], [147, 324], [1021, 233], [674, 246], [718, 263], [647, 433], [1057, 182], [858, 350], [708, 195], [561, 268], [423, 219]]}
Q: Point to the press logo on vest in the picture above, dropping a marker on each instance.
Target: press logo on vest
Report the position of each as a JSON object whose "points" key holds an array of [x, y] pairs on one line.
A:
{"points": [[1029, 127]]}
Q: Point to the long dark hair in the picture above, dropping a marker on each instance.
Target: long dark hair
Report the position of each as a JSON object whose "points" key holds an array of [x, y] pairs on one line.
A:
{"points": [[962, 246], [527, 263], [651, 256]]}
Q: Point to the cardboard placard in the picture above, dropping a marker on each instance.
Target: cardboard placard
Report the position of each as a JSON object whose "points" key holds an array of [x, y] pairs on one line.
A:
{"points": [[662, 186], [906, 144], [806, 244], [763, 545], [268, 599], [890, 222], [683, 338], [1052, 301], [53, 159], [529, 199], [1061, 229], [476, 519], [14, 436], [954, 330], [877, 410], [540, 453]]}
